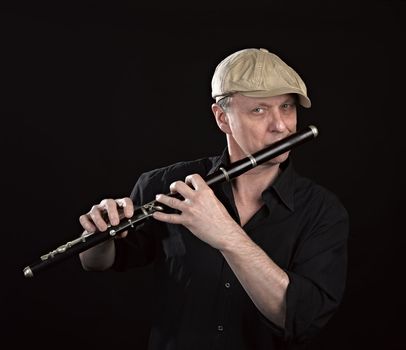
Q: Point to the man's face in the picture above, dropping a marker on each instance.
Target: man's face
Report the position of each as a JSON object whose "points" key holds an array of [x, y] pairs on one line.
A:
{"points": [[256, 123]]}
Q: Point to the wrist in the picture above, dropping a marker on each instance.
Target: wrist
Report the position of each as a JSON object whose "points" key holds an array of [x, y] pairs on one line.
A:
{"points": [[233, 239]]}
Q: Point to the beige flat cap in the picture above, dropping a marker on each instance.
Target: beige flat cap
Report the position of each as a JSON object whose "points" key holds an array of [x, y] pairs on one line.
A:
{"points": [[257, 73]]}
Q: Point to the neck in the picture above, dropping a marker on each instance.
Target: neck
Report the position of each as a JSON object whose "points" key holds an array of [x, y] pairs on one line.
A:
{"points": [[250, 185]]}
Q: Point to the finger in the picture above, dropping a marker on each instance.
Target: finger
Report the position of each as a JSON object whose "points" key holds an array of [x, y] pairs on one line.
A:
{"points": [[181, 188], [121, 235], [195, 181], [171, 202], [87, 223], [111, 208], [168, 218], [95, 216], [127, 205]]}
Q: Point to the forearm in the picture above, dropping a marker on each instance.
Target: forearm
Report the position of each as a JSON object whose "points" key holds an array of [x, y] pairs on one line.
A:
{"points": [[264, 281], [100, 257]]}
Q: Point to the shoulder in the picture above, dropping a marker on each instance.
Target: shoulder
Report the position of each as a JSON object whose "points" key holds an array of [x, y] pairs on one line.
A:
{"points": [[323, 217], [318, 199]]}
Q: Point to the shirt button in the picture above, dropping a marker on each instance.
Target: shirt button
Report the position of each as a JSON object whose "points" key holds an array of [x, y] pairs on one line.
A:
{"points": [[220, 328], [227, 285]]}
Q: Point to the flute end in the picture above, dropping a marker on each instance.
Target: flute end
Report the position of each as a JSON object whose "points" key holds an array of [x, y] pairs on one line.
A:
{"points": [[314, 130], [28, 272]]}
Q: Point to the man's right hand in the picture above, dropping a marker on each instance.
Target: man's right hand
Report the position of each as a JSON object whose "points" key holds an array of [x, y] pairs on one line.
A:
{"points": [[107, 213]]}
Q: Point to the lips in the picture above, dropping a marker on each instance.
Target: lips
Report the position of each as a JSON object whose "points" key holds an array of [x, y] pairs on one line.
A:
{"points": [[278, 139]]}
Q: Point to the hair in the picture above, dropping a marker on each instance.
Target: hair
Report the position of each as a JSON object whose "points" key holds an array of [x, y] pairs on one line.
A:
{"points": [[224, 103]]}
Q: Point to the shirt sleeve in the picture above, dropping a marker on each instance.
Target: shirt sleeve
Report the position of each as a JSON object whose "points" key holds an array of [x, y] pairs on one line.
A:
{"points": [[317, 275]]}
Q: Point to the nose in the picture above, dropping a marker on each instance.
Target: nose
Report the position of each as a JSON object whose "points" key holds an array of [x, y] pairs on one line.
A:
{"points": [[276, 121]]}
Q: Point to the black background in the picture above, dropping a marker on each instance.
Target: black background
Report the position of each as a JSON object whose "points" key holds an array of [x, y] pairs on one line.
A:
{"points": [[95, 93]]}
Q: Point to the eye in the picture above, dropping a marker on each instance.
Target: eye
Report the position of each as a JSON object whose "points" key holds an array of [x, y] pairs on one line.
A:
{"points": [[258, 110], [288, 106]]}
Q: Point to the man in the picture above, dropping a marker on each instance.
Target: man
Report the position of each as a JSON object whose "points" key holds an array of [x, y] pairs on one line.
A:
{"points": [[258, 263]]}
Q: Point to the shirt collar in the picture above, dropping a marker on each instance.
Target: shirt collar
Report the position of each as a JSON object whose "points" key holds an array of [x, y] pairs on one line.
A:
{"points": [[217, 162], [283, 186]]}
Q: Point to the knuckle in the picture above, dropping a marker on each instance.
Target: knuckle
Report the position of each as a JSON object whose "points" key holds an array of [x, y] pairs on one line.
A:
{"points": [[122, 202], [175, 184], [107, 202], [128, 207], [92, 215], [207, 190], [172, 201]]}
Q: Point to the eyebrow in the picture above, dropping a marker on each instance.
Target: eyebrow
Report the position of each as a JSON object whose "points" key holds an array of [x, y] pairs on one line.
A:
{"points": [[290, 99]]}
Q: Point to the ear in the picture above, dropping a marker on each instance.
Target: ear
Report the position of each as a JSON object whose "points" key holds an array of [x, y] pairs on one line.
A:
{"points": [[222, 119]]}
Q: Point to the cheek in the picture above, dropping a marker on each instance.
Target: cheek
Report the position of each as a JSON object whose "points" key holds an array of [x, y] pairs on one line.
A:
{"points": [[291, 123], [237, 126], [292, 127]]}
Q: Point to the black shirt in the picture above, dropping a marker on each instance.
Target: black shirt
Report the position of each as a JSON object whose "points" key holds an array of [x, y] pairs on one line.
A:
{"points": [[199, 302]]}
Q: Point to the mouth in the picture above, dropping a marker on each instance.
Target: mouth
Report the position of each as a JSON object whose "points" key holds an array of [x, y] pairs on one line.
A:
{"points": [[278, 139]]}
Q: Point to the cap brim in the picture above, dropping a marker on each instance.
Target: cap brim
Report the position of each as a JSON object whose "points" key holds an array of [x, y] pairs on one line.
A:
{"points": [[303, 99]]}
